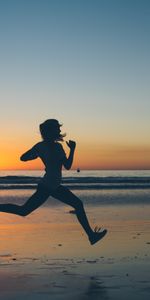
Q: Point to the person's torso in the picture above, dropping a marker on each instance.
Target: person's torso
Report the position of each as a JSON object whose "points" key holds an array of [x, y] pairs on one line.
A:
{"points": [[52, 156]]}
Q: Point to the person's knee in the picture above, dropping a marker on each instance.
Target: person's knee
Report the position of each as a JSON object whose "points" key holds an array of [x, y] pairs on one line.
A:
{"points": [[79, 205], [24, 212]]}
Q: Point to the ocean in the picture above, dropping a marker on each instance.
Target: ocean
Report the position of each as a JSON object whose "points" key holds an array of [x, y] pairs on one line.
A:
{"points": [[95, 187], [86, 179]]}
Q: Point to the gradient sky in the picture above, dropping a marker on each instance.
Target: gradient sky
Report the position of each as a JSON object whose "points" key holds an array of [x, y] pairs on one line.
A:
{"points": [[85, 63]]}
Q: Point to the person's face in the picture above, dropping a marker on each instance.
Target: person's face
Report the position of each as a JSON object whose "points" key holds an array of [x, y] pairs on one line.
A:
{"points": [[57, 130]]}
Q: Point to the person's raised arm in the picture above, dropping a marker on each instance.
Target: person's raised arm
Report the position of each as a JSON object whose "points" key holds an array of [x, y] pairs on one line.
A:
{"points": [[68, 161], [29, 155]]}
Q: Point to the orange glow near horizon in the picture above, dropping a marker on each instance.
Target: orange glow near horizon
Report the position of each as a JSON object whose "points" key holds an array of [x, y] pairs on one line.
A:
{"points": [[86, 157], [113, 157]]}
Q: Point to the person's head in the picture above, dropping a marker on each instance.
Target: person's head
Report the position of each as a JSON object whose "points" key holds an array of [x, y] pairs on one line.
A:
{"points": [[50, 130]]}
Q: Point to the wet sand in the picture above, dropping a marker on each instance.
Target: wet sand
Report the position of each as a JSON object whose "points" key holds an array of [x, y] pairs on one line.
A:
{"points": [[47, 256]]}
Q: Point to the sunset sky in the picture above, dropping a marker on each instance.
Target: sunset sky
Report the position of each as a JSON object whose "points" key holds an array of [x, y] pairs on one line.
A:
{"points": [[85, 63]]}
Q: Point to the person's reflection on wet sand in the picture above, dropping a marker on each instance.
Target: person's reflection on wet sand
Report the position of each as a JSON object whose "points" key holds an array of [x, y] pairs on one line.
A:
{"points": [[95, 290]]}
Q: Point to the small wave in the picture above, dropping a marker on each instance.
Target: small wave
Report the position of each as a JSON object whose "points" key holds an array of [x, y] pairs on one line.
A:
{"points": [[18, 179], [30, 182]]}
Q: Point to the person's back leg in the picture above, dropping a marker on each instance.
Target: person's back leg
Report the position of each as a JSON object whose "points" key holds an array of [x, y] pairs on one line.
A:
{"points": [[65, 195], [36, 200]]}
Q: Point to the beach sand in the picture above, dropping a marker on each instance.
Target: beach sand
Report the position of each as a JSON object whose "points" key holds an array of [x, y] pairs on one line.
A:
{"points": [[47, 256]]}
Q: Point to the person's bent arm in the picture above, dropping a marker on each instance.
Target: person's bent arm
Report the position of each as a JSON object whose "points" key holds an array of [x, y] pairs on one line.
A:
{"points": [[29, 155], [68, 161]]}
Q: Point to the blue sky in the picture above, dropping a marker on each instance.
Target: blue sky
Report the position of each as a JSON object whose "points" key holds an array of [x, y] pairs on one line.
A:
{"points": [[83, 62]]}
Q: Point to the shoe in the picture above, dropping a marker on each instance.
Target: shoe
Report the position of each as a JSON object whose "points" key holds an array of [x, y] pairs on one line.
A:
{"points": [[97, 236]]}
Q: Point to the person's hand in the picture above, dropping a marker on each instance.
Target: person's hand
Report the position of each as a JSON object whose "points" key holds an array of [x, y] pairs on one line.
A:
{"points": [[71, 144]]}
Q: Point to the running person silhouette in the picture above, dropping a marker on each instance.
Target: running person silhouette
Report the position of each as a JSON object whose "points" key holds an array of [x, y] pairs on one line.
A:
{"points": [[52, 154]]}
